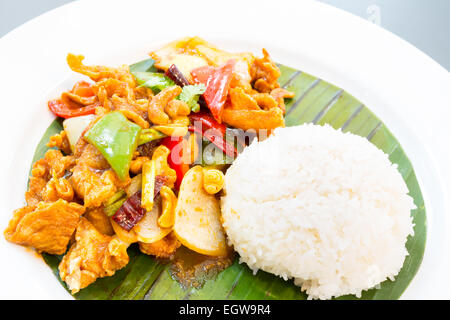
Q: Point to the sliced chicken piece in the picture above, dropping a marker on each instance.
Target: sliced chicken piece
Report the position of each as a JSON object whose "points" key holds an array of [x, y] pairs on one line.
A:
{"points": [[46, 226], [164, 248], [92, 256], [100, 220]]}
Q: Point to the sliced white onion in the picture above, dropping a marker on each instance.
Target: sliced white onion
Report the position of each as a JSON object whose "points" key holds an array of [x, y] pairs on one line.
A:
{"points": [[147, 230], [74, 127]]}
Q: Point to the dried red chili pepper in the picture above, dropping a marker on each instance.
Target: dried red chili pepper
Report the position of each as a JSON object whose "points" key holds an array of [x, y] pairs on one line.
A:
{"points": [[131, 211], [177, 76]]}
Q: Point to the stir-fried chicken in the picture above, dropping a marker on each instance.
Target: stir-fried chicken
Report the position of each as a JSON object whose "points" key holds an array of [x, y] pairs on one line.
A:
{"points": [[164, 248], [45, 226], [265, 73], [119, 95], [73, 185], [254, 119], [60, 141], [53, 166], [92, 178], [100, 220], [98, 73], [156, 107], [92, 256], [279, 94]]}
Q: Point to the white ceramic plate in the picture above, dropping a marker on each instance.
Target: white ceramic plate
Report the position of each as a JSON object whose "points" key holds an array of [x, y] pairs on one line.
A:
{"points": [[404, 87]]}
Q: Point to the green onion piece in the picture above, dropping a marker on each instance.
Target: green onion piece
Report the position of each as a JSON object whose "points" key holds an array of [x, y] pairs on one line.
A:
{"points": [[142, 66], [148, 135], [191, 94], [148, 184], [115, 197], [112, 209], [212, 155], [153, 80], [134, 186]]}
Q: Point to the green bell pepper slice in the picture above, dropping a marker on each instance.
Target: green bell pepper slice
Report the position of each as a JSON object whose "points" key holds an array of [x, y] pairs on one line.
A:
{"points": [[150, 134], [116, 138]]}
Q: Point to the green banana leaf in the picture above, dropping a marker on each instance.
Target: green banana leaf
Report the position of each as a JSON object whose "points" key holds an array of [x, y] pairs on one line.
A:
{"points": [[315, 101]]}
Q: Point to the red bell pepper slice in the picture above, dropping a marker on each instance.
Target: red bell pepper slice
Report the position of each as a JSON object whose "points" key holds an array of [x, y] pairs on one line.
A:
{"points": [[63, 110], [217, 82], [213, 131], [175, 158], [202, 74], [208, 122]]}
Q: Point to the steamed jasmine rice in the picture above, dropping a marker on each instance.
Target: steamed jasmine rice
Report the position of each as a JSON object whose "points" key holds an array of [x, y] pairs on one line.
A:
{"points": [[324, 208]]}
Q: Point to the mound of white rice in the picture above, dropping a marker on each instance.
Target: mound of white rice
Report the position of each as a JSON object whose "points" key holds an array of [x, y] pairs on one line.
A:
{"points": [[323, 207]]}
